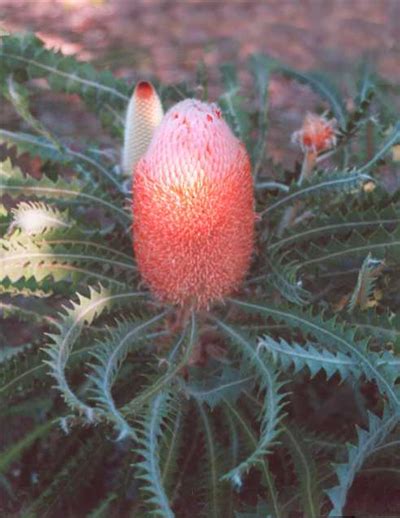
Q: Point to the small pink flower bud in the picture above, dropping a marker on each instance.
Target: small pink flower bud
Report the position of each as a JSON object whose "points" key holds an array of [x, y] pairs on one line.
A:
{"points": [[317, 134]]}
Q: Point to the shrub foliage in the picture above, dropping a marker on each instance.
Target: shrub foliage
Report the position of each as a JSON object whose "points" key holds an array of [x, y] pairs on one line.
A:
{"points": [[242, 410]]}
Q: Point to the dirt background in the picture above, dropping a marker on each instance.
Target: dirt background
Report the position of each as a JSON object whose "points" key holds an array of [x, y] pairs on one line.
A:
{"points": [[169, 37]]}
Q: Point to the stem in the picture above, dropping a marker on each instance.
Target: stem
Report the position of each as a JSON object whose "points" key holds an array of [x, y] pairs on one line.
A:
{"points": [[309, 161], [290, 214]]}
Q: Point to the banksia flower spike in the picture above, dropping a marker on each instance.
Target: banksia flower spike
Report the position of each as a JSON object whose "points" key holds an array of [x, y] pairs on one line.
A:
{"points": [[144, 114], [193, 207], [317, 134]]}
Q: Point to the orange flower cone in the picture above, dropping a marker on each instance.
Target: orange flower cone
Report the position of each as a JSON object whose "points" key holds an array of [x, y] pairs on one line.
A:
{"points": [[193, 208]]}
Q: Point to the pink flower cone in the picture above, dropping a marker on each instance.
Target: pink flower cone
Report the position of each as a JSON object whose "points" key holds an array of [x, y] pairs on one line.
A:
{"points": [[193, 207]]}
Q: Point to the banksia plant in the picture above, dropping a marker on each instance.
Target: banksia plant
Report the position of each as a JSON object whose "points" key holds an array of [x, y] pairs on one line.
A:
{"points": [[222, 340], [193, 209]]}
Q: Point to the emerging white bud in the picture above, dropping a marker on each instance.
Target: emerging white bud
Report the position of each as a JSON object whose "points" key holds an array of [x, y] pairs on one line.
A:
{"points": [[144, 114]]}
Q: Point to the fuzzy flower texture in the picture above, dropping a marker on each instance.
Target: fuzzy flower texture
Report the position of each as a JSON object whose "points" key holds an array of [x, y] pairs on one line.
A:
{"points": [[193, 207], [317, 134]]}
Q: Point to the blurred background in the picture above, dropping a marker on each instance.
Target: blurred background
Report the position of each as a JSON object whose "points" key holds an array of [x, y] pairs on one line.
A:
{"points": [[168, 37], [166, 40]]}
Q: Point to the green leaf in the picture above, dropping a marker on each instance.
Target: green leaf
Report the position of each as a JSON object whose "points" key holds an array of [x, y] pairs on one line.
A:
{"points": [[102, 510], [391, 140], [382, 244], [368, 441], [366, 89], [272, 414], [149, 448], [70, 479], [22, 257], [285, 279], [15, 184], [261, 511], [306, 472], [366, 281], [19, 97], [366, 85], [215, 504], [319, 185], [189, 335], [262, 465], [20, 370], [69, 330], [385, 327], [73, 238], [231, 103], [10, 455], [338, 223], [171, 445], [86, 164], [110, 355], [321, 85], [309, 356], [25, 56], [227, 384], [335, 334], [260, 69], [319, 82]]}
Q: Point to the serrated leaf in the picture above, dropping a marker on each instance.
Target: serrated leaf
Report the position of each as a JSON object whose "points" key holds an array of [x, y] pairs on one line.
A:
{"points": [[25, 55], [306, 472], [267, 379], [266, 473], [338, 223], [321, 85], [381, 244], [189, 337], [326, 183], [260, 69], [335, 334], [149, 469], [86, 164], [70, 327], [368, 441], [226, 385], [109, 356], [315, 359], [367, 277], [14, 183], [22, 257], [231, 103]]}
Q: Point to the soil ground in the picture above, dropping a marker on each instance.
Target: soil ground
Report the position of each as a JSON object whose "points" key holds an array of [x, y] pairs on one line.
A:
{"points": [[169, 37]]}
